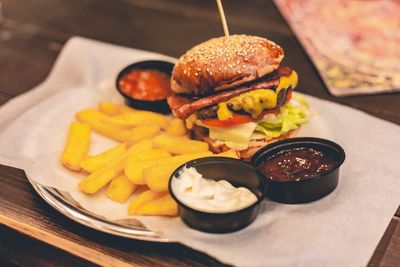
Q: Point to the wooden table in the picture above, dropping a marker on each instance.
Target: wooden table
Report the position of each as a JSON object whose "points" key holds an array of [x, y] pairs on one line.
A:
{"points": [[31, 36]]}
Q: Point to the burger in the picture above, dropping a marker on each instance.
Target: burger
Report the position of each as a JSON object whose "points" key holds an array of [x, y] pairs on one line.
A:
{"points": [[234, 94]]}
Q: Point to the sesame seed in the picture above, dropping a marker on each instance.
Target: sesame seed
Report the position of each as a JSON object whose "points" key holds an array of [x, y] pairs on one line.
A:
{"points": [[227, 53]]}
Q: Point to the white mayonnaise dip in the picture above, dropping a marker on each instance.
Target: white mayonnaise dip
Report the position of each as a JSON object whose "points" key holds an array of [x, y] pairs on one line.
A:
{"points": [[208, 195]]}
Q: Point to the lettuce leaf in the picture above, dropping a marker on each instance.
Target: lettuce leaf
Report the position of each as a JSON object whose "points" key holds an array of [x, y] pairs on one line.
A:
{"points": [[292, 115]]}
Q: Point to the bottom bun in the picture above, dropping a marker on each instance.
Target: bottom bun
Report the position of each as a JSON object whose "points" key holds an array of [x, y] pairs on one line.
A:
{"points": [[201, 133]]}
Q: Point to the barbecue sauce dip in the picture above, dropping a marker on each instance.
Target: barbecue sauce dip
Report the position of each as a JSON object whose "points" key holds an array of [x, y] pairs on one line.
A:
{"points": [[297, 164], [147, 85]]}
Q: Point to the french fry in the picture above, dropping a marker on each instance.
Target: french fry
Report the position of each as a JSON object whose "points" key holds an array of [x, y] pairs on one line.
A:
{"points": [[135, 149], [132, 135], [134, 169], [157, 177], [140, 133], [108, 108], [176, 127], [120, 189], [93, 163], [113, 109], [96, 180], [179, 145], [90, 115], [95, 119], [97, 122], [163, 206], [77, 145], [142, 199], [149, 154], [139, 118]]}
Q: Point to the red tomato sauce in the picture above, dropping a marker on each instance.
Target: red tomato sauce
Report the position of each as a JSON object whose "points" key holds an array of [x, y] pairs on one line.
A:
{"points": [[148, 85], [297, 164]]}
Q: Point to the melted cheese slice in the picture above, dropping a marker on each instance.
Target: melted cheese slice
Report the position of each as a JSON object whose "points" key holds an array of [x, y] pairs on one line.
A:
{"points": [[235, 137], [285, 82], [238, 137]]}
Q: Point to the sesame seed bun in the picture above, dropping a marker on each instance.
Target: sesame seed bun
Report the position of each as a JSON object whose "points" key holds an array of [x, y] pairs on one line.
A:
{"points": [[224, 62]]}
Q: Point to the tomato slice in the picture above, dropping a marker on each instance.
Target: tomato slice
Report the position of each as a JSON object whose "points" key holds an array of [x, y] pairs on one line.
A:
{"points": [[289, 96], [236, 119]]}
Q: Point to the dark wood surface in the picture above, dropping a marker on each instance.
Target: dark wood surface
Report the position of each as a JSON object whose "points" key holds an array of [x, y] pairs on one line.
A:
{"points": [[31, 36]]}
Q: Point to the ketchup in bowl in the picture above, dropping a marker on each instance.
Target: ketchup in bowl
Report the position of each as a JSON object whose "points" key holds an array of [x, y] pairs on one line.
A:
{"points": [[297, 164], [300, 170], [147, 85]]}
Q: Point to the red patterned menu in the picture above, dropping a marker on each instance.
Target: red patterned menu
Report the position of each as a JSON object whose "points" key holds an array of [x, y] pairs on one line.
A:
{"points": [[354, 44]]}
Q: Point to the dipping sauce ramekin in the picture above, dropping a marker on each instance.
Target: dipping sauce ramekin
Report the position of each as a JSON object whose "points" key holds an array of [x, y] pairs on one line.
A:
{"points": [[239, 174], [305, 189], [159, 105]]}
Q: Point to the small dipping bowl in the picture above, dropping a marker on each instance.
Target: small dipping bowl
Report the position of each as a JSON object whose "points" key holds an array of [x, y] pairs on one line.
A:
{"points": [[236, 172], [305, 189], [161, 105]]}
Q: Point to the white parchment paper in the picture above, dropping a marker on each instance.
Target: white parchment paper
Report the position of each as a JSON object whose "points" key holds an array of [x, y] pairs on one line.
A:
{"points": [[341, 229]]}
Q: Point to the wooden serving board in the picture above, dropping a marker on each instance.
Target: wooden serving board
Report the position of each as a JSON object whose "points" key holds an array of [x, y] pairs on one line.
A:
{"points": [[23, 210]]}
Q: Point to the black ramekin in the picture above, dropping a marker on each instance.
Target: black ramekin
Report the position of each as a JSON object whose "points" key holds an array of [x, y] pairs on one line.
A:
{"points": [[307, 190], [160, 106], [238, 173]]}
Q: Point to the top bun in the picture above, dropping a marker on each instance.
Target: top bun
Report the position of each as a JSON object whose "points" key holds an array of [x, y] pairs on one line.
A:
{"points": [[224, 62]]}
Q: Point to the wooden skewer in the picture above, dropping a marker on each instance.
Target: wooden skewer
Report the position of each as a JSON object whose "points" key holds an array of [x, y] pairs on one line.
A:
{"points": [[223, 19]]}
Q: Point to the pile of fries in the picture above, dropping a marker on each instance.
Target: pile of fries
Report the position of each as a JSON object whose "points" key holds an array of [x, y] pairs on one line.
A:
{"points": [[151, 147]]}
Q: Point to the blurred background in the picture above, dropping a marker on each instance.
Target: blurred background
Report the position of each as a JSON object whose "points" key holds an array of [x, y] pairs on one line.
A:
{"points": [[33, 32]]}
